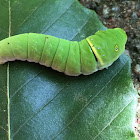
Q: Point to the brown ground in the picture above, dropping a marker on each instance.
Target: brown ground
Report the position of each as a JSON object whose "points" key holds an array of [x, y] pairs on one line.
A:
{"points": [[126, 15]]}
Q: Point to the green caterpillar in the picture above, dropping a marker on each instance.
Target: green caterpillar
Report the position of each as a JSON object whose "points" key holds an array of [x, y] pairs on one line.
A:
{"points": [[94, 53]]}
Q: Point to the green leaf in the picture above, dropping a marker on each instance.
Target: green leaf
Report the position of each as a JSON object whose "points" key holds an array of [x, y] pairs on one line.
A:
{"points": [[38, 103]]}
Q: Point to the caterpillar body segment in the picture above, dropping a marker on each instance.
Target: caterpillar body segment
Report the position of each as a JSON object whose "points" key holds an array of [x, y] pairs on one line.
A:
{"points": [[88, 61], [61, 55], [13, 48], [49, 50], [73, 64], [36, 44], [73, 58], [107, 45], [17, 48]]}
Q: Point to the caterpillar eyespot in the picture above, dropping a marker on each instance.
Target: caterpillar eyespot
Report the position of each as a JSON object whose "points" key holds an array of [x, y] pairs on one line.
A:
{"points": [[96, 52], [116, 48]]}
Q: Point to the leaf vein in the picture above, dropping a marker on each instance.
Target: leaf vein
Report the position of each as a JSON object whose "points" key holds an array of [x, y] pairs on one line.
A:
{"points": [[2, 90], [3, 129], [81, 27], [40, 110], [25, 85], [58, 18], [88, 102], [4, 31], [112, 120], [30, 15]]}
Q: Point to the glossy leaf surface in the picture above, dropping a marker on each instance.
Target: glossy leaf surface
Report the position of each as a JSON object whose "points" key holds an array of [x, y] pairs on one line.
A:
{"points": [[41, 103]]}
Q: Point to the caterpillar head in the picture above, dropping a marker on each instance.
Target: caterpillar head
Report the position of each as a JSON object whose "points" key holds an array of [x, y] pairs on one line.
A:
{"points": [[107, 46]]}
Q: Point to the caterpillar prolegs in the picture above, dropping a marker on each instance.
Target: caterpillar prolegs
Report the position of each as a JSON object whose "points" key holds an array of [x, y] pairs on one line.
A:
{"points": [[94, 53]]}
